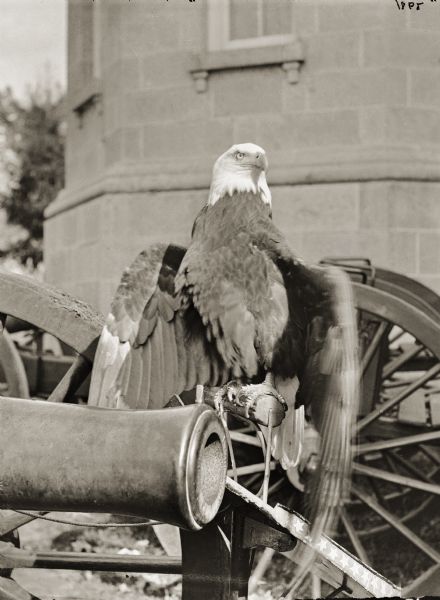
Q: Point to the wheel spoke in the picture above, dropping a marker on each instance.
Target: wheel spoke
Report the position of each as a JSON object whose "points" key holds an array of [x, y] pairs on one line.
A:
{"points": [[392, 465], [396, 336], [394, 384], [249, 469], [398, 362], [246, 429], [243, 438], [430, 454], [72, 379], [261, 568], [371, 350], [397, 524], [249, 482], [376, 490], [354, 538], [276, 486], [412, 588], [316, 585], [410, 467], [431, 488], [397, 442], [382, 408]]}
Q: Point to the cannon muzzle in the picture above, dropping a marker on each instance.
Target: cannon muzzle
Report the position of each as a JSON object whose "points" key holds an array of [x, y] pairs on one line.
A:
{"points": [[168, 464]]}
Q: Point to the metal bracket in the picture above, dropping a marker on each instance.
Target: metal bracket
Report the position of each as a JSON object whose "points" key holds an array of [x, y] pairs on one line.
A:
{"points": [[259, 534], [358, 268]]}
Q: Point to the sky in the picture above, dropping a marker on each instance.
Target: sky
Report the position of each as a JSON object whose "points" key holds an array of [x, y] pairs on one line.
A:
{"points": [[32, 43]]}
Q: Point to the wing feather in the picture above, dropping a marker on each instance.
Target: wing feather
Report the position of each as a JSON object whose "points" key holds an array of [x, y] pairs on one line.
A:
{"points": [[120, 387], [191, 374], [203, 368], [157, 374], [144, 395], [169, 367], [134, 380], [159, 334], [182, 354], [148, 351], [172, 367]]}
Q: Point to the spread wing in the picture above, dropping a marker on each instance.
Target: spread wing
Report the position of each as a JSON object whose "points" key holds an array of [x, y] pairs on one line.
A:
{"points": [[150, 347]]}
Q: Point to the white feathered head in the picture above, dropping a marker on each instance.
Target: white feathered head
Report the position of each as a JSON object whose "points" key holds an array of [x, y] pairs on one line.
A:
{"points": [[242, 168]]}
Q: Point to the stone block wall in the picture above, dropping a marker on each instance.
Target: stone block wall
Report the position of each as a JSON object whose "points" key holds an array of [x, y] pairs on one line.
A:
{"points": [[395, 224], [354, 146]]}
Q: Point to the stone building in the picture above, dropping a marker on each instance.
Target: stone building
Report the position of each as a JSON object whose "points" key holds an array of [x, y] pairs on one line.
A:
{"points": [[343, 95]]}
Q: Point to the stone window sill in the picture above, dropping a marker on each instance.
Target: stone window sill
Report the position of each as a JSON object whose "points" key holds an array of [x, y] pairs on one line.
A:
{"points": [[288, 56]]}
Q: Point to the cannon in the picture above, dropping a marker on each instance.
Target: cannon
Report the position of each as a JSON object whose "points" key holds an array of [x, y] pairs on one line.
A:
{"points": [[395, 469], [169, 465]]}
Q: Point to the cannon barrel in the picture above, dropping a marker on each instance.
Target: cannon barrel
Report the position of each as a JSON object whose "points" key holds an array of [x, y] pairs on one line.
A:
{"points": [[168, 464]]}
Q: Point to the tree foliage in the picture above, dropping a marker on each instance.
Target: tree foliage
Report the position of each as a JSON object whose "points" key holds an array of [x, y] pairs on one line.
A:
{"points": [[33, 165]]}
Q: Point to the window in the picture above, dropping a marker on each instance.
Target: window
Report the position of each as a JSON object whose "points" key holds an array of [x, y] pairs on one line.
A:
{"points": [[234, 24], [248, 33]]}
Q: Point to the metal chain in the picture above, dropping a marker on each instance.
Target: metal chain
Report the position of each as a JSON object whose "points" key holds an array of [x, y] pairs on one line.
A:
{"points": [[83, 523]]}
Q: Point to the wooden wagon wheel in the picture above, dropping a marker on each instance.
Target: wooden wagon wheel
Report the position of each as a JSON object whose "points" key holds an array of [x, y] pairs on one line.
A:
{"points": [[397, 467], [71, 321], [396, 471]]}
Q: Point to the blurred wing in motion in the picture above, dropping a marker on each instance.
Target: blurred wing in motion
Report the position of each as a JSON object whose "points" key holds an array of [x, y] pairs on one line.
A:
{"points": [[151, 348], [329, 390], [329, 387]]}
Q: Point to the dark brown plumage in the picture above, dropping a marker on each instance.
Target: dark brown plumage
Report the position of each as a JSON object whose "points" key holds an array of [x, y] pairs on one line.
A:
{"points": [[235, 304]]}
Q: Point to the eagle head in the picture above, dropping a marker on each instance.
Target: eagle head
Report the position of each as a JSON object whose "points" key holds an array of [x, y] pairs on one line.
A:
{"points": [[242, 168]]}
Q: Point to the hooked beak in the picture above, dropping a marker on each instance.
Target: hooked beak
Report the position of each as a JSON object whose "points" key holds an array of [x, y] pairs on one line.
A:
{"points": [[261, 161]]}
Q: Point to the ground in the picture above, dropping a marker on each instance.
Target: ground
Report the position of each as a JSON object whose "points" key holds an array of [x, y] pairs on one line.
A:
{"points": [[49, 584], [85, 585]]}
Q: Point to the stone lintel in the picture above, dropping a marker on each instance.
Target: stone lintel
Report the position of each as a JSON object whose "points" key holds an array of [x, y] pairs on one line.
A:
{"points": [[288, 56]]}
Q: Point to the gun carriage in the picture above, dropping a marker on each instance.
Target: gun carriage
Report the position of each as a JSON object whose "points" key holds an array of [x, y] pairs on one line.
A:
{"points": [[55, 456]]}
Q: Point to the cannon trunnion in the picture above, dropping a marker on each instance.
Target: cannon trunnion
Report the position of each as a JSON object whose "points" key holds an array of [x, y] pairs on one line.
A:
{"points": [[169, 465]]}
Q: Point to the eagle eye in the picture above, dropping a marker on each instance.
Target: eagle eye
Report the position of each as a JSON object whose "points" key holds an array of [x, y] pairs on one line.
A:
{"points": [[239, 155]]}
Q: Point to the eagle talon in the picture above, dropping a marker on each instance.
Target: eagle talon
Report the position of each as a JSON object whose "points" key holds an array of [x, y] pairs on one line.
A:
{"points": [[253, 402]]}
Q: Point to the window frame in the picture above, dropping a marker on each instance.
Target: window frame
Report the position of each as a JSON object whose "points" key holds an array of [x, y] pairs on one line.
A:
{"points": [[219, 18]]}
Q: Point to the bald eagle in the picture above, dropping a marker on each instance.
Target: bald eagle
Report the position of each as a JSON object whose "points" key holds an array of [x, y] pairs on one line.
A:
{"points": [[237, 304]]}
